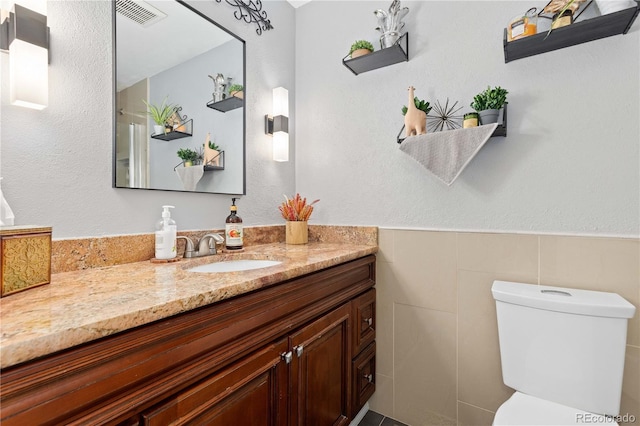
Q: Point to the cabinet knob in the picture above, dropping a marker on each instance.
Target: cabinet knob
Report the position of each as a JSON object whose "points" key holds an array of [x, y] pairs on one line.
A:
{"points": [[287, 357], [299, 349], [369, 321], [369, 377]]}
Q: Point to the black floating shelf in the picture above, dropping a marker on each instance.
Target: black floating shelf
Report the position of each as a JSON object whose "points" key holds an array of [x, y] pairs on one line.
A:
{"points": [[501, 130], [579, 32], [218, 166], [171, 136], [227, 104], [397, 53], [208, 167], [187, 130]]}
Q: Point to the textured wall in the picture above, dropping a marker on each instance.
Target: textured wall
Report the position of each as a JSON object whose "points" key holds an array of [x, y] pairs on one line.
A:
{"points": [[569, 165], [56, 163], [570, 162]]}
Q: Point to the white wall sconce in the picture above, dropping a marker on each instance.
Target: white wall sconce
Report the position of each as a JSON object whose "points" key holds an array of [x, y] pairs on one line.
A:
{"points": [[278, 124], [26, 36]]}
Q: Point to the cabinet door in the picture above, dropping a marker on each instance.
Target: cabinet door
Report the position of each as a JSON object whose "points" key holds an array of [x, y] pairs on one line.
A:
{"points": [[320, 371], [363, 318], [251, 392]]}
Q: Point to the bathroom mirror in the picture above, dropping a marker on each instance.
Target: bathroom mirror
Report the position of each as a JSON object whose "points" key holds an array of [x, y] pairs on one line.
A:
{"points": [[168, 51]]}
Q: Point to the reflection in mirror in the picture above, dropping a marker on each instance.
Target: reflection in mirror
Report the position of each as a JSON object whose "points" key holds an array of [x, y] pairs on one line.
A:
{"points": [[174, 69]]}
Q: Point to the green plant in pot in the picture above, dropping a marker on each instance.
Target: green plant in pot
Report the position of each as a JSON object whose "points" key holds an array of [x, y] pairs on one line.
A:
{"points": [[160, 114], [237, 90], [360, 48], [420, 104], [188, 156], [488, 104]]}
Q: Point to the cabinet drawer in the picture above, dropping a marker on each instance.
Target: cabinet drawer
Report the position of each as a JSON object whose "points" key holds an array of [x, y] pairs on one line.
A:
{"points": [[250, 392], [364, 377], [364, 320]]}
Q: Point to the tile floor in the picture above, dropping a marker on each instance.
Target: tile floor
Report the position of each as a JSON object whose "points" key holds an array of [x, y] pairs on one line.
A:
{"points": [[375, 419]]}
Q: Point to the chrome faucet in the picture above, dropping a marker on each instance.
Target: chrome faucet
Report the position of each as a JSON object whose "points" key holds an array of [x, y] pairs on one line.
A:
{"points": [[205, 248]]}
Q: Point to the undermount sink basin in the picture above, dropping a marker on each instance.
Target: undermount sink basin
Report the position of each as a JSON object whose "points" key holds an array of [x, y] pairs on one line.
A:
{"points": [[235, 265]]}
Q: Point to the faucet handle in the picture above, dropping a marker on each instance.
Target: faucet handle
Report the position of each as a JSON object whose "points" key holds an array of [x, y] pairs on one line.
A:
{"points": [[218, 240], [204, 246], [188, 246]]}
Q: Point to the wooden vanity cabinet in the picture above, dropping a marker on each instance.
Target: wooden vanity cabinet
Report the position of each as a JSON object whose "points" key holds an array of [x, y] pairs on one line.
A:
{"points": [[363, 341], [250, 392], [321, 371], [284, 355]]}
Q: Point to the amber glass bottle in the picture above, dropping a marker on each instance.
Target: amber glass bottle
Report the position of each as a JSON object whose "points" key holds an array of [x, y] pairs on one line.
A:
{"points": [[233, 228]]}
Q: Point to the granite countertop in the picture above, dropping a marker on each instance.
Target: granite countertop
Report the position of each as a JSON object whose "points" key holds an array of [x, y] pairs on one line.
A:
{"points": [[81, 306]]}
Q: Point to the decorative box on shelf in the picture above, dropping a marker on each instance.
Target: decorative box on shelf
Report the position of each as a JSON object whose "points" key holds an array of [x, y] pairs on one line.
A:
{"points": [[26, 257]]}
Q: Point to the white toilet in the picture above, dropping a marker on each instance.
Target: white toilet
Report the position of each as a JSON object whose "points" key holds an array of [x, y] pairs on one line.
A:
{"points": [[562, 350]]}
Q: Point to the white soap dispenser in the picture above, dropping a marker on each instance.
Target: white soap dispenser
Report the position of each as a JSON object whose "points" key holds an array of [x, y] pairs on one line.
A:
{"points": [[166, 231], [6, 215]]}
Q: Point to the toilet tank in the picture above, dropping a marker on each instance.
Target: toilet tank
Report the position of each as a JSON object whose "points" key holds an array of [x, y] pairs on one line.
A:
{"points": [[563, 345]]}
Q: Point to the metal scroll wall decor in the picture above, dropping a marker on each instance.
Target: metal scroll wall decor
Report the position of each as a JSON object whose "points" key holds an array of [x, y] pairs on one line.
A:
{"points": [[251, 12]]}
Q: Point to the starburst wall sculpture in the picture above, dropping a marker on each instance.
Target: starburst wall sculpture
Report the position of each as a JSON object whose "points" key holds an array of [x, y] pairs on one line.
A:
{"points": [[444, 116]]}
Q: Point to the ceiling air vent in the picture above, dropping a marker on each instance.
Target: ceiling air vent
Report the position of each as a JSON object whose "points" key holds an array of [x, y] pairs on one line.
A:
{"points": [[139, 11]]}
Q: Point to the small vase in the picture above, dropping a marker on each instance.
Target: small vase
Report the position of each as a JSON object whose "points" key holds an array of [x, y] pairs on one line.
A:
{"points": [[296, 232], [388, 39], [489, 116], [158, 129], [359, 52], [470, 120]]}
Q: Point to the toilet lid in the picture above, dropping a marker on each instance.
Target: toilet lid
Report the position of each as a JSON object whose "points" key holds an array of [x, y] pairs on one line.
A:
{"points": [[523, 409]]}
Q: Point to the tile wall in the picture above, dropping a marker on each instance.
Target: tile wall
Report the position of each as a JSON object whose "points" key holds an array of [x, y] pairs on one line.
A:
{"points": [[438, 358]]}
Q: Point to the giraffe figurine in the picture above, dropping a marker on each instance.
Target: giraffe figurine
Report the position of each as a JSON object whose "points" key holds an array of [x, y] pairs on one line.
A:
{"points": [[415, 120]]}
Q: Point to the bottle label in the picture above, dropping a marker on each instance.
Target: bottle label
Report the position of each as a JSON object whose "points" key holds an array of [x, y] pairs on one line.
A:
{"points": [[166, 243], [518, 27], [233, 235]]}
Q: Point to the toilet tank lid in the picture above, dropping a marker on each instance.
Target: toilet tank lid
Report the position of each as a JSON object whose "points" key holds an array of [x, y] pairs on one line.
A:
{"points": [[569, 300]]}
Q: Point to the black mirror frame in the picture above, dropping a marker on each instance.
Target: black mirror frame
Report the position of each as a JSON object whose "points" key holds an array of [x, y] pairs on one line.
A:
{"points": [[114, 106]]}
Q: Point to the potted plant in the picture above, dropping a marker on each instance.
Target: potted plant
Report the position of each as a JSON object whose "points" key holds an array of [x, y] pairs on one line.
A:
{"points": [[296, 212], [420, 104], [360, 48], [188, 156], [488, 103], [237, 90], [160, 115]]}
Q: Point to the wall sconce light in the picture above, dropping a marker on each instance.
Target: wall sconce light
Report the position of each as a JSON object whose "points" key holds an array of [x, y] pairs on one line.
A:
{"points": [[278, 124], [26, 36]]}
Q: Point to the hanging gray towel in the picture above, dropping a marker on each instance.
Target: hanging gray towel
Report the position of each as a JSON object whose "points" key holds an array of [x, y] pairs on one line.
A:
{"points": [[190, 176], [447, 153]]}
